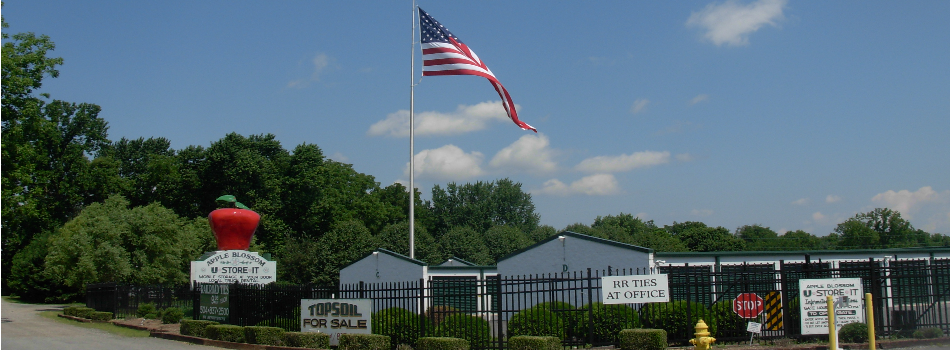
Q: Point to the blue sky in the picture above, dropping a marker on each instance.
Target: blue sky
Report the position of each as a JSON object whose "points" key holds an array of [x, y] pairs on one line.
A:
{"points": [[789, 114]]}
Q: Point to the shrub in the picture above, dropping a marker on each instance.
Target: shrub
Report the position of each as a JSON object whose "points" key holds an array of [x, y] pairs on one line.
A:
{"points": [[645, 339], [536, 322], [574, 318], [438, 313], [225, 332], [100, 316], [609, 320], [928, 333], [474, 329], [309, 340], [853, 333], [363, 342], [671, 316], [172, 315], [195, 328], [728, 324], [442, 343], [84, 312], [263, 335], [524, 342], [401, 325], [145, 310], [70, 310]]}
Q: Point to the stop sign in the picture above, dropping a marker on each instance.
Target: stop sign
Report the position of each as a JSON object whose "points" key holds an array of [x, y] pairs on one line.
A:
{"points": [[748, 305]]}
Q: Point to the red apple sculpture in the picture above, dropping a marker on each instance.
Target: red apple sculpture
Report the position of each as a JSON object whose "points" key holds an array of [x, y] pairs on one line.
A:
{"points": [[234, 226]]}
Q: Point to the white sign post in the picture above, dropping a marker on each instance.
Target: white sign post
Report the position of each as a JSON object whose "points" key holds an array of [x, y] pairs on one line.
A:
{"points": [[234, 266], [336, 317], [635, 289], [846, 292]]}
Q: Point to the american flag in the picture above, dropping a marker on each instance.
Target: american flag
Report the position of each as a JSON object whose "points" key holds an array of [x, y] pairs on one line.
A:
{"points": [[444, 54]]}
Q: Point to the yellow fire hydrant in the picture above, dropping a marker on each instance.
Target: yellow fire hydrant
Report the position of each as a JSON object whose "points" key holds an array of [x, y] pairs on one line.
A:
{"points": [[702, 341]]}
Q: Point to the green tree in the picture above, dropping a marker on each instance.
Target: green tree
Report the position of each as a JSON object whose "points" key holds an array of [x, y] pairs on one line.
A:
{"points": [[504, 240], [483, 205], [541, 233], [700, 238], [880, 228], [632, 230], [347, 242], [395, 237], [110, 242], [757, 237], [45, 144], [463, 242]]}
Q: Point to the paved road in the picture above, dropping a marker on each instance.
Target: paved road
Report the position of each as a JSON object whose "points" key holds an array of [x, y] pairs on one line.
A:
{"points": [[23, 328]]}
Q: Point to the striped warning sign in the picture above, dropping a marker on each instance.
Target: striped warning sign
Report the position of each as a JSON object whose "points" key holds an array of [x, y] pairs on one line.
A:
{"points": [[773, 311]]}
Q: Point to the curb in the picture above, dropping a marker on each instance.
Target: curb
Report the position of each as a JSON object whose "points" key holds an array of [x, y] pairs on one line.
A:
{"points": [[219, 343], [80, 319]]}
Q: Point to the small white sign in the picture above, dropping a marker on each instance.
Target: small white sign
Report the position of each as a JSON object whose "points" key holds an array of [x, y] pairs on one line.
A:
{"points": [[336, 317], [234, 266], [754, 327], [846, 294], [635, 289]]}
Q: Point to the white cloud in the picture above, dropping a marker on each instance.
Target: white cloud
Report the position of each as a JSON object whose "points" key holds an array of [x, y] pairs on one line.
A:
{"points": [[531, 153], [639, 105], [447, 163], [339, 157], [701, 212], [593, 185], [906, 202], [818, 217], [643, 216], [320, 62], [623, 162], [463, 120], [699, 98], [832, 198], [731, 22], [800, 201]]}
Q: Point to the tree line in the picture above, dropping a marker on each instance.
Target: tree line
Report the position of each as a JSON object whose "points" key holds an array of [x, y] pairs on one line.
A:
{"points": [[79, 208]]}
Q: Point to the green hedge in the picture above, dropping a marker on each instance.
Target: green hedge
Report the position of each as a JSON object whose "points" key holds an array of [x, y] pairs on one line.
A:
{"points": [[401, 325], [225, 332], [536, 321], [363, 342], [147, 310], [609, 320], [195, 328], [70, 310], [100, 315], [309, 340], [728, 323], [442, 343], [671, 316], [853, 333], [172, 315], [474, 329], [84, 312], [928, 333], [263, 335], [524, 342], [643, 339]]}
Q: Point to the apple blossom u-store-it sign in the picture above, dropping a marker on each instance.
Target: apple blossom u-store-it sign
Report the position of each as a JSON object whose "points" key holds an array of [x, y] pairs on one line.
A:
{"points": [[234, 266]]}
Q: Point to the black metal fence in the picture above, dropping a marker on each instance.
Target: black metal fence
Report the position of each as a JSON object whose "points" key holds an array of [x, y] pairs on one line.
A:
{"points": [[907, 295], [123, 300]]}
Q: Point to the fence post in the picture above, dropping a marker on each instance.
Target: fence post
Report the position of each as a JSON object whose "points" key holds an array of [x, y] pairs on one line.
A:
{"points": [[422, 307], [689, 320], [498, 310], [590, 307]]}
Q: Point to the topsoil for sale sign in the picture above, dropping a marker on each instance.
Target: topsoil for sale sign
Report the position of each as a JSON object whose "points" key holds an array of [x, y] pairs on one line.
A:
{"points": [[846, 293], [234, 266]]}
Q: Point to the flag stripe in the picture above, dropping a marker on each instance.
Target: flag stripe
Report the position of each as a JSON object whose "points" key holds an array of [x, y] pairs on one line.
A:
{"points": [[444, 54]]}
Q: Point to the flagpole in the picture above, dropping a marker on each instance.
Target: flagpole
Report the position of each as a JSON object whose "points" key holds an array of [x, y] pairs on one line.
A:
{"points": [[412, 168]]}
